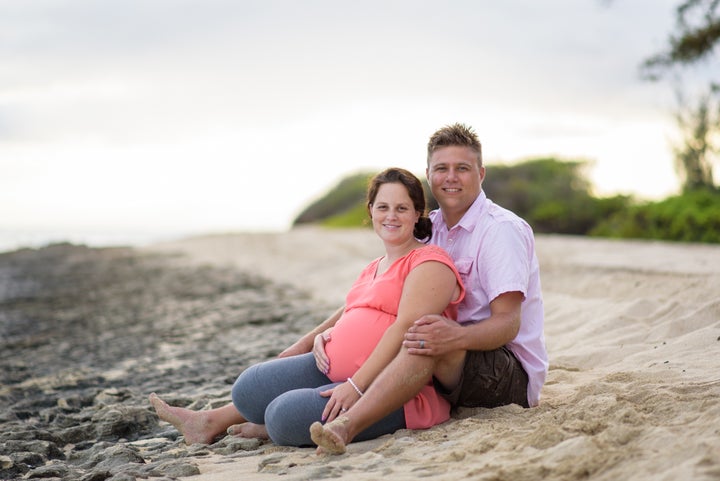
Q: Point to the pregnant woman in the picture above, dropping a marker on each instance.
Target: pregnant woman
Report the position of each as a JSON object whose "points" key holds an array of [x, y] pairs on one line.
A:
{"points": [[284, 397]]}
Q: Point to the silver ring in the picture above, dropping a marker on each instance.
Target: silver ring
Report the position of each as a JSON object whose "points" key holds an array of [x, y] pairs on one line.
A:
{"points": [[342, 410], [422, 344]]}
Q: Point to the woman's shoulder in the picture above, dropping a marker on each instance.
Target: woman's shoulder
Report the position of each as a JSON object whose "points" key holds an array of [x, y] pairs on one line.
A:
{"points": [[431, 252]]}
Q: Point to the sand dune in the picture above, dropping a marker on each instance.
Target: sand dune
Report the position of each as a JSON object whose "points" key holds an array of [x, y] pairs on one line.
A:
{"points": [[633, 392]]}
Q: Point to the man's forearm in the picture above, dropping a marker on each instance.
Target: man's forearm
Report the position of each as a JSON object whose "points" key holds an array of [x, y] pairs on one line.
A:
{"points": [[490, 334]]}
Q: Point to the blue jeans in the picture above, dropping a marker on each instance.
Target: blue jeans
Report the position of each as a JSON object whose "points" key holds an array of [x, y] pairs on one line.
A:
{"points": [[284, 395]]}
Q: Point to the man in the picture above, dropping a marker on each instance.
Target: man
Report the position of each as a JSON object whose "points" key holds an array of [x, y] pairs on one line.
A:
{"points": [[496, 354]]}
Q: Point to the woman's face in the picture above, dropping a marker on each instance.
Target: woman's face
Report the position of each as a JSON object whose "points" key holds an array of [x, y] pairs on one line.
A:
{"points": [[393, 213]]}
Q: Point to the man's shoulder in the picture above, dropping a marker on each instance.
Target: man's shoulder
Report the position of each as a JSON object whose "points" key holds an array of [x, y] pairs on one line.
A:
{"points": [[434, 214], [498, 214]]}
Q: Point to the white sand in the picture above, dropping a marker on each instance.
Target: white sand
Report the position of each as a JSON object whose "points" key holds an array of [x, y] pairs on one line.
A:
{"points": [[633, 392]]}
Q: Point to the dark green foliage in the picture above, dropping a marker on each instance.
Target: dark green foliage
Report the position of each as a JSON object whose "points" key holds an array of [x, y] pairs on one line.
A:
{"points": [[696, 36], [345, 204], [697, 26], [692, 217], [554, 197], [357, 216], [342, 198], [699, 150], [551, 195]]}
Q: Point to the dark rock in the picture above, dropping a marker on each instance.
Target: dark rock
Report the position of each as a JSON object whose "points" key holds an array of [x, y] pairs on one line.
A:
{"points": [[10, 468], [113, 457], [88, 334], [96, 475], [46, 449], [49, 471], [175, 469], [27, 459], [123, 422], [231, 444], [77, 434], [124, 477]]}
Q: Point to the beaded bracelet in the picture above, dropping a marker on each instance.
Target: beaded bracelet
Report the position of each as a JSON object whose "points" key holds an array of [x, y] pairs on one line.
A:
{"points": [[357, 389]]}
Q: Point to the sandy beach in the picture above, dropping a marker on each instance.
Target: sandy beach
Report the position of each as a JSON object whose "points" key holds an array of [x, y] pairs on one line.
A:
{"points": [[633, 391], [632, 329]]}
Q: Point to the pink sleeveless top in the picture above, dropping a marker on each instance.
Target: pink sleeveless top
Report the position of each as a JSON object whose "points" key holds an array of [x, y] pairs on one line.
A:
{"points": [[371, 307]]}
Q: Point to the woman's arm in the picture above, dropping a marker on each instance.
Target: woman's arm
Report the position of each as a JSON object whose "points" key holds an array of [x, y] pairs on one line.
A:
{"points": [[428, 289]]}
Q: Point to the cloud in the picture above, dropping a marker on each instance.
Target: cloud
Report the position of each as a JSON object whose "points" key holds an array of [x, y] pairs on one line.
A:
{"points": [[210, 105]]}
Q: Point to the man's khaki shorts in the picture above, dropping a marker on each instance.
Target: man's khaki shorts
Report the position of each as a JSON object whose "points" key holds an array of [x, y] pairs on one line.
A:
{"points": [[489, 379]]}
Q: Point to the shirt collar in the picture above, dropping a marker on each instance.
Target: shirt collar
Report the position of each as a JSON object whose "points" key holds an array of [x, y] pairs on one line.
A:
{"points": [[469, 219]]}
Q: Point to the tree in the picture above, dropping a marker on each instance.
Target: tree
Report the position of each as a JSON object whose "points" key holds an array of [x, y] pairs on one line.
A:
{"points": [[695, 156], [698, 27], [698, 33]]}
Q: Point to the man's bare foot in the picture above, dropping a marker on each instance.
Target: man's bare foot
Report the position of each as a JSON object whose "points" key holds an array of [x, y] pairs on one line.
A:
{"points": [[193, 425], [330, 438], [248, 430]]}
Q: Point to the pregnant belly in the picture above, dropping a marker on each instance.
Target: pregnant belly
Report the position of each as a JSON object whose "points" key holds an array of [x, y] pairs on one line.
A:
{"points": [[353, 339]]}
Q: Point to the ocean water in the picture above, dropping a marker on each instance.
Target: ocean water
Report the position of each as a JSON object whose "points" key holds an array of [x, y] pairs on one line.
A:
{"points": [[13, 239]]}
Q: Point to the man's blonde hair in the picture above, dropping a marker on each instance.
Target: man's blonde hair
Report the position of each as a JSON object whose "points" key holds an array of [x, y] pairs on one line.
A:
{"points": [[455, 135]]}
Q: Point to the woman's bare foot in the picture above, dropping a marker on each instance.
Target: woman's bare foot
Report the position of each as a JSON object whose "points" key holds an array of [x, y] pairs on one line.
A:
{"points": [[248, 430], [195, 426], [332, 437]]}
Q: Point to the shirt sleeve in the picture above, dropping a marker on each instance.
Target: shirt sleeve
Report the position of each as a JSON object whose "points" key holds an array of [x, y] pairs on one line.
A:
{"points": [[503, 261]]}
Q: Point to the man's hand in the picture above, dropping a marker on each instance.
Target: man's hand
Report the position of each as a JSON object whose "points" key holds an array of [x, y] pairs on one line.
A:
{"points": [[433, 335]]}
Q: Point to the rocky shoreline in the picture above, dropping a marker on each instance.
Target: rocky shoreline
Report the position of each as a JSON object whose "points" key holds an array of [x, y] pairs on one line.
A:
{"points": [[87, 334], [632, 328]]}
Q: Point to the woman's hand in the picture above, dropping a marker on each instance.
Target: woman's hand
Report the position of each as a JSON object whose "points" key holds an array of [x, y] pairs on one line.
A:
{"points": [[318, 350], [342, 397]]}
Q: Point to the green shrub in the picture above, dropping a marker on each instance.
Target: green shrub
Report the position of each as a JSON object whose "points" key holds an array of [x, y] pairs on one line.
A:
{"points": [[344, 204], [553, 196], [342, 198], [690, 217], [357, 216]]}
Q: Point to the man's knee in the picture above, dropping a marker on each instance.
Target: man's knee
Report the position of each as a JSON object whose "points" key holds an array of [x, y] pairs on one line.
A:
{"points": [[449, 369]]}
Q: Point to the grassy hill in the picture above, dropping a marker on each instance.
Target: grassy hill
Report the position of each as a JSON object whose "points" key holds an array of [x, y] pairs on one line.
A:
{"points": [[345, 204], [553, 196]]}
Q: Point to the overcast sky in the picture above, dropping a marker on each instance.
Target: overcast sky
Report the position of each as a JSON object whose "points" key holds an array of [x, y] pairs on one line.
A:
{"points": [[174, 117]]}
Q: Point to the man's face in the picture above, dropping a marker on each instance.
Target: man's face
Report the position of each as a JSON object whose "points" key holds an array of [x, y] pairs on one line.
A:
{"points": [[455, 180]]}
